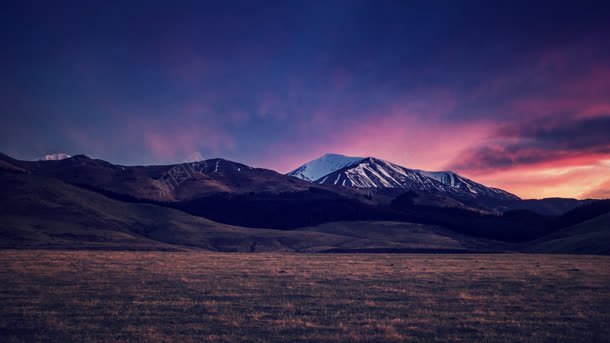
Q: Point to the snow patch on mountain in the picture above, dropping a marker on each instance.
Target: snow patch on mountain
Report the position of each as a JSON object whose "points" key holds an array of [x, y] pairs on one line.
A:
{"points": [[56, 157], [466, 185], [315, 169]]}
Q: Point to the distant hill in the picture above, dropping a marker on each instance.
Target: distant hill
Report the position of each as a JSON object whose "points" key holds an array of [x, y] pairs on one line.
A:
{"points": [[583, 213], [589, 237]]}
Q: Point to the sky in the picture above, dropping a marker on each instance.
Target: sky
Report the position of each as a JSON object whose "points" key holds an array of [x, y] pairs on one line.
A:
{"points": [[513, 94]]}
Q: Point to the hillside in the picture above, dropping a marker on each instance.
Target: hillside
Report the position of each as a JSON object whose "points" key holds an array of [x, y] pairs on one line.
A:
{"points": [[589, 237], [42, 212], [546, 206], [410, 236]]}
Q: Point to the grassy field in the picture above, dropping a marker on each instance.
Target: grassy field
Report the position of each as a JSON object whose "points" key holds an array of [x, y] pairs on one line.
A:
{"points": [[220, 297]]}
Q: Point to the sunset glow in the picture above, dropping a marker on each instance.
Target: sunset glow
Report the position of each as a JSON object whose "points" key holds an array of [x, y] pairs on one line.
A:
{"points": [[523, 105]]}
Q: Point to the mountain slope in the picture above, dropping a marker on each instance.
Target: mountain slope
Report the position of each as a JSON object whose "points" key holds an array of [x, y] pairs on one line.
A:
{"points": [[8, 163], [468, 186]]}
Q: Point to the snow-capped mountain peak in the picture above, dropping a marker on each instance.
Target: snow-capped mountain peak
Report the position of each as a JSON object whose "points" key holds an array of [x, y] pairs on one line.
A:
{"points": [[372, 172], [315, 169]]}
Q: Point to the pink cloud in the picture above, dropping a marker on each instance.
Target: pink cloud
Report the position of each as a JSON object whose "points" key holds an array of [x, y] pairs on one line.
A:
{"points": [[172, 139], [414, 133], [161, 138], [172, 145], [600, 192], [585, 180], [417, 140]]}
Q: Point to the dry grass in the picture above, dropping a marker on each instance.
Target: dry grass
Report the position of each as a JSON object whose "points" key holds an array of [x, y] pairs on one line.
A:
{"points": [[216, 297]]}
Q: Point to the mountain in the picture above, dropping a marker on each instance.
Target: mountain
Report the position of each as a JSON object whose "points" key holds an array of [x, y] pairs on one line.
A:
{"points": [[163, 183], [315, 169], [372, 172]]}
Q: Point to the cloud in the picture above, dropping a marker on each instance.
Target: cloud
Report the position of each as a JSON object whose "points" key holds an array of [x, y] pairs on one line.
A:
{"points": [[407, 133], [572, 141], [601, 192], [153, 136], [550, 180]]}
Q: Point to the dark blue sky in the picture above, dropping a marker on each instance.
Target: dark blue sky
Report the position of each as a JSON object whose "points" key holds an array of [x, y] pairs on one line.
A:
{"points": [[505, 92]]}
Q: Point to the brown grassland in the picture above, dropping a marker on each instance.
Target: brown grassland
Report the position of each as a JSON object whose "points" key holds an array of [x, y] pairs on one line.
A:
{"points": [[227, 297]]}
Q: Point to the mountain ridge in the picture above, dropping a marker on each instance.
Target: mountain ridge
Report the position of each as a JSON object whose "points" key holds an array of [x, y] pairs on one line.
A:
{"points": [[233, 194], [217, 176]]}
